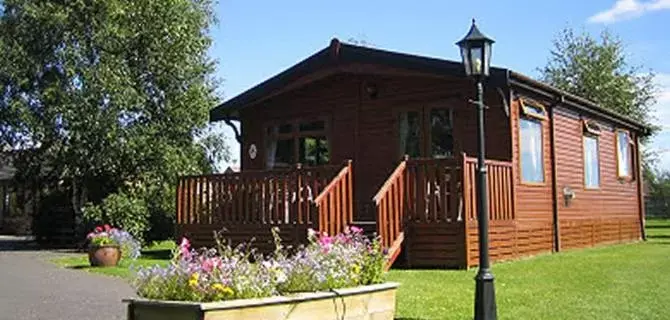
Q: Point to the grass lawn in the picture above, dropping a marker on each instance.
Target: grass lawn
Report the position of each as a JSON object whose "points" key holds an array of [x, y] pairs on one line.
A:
{"points": [[156, 253], [629, 281]]}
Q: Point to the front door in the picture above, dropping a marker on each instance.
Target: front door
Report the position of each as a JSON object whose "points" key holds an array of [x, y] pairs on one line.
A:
{"points": [[425, 132]]}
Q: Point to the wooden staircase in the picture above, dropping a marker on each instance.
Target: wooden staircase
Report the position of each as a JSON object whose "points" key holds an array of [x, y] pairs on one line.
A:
{"points": [[390, 204]]}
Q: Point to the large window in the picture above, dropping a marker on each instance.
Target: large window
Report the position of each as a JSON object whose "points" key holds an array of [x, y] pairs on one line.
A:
{"points": [[591, 162], [303, 142], [624, 159], [530, 137]]}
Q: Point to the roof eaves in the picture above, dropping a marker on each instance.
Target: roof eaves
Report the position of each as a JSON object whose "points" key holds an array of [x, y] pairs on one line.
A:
{"points": [[523, 81], [231, 106]]}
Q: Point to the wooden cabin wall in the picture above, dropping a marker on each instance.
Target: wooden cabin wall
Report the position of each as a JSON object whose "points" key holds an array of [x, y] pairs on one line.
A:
{"points": [[334, 99], [378, 134], [608, 214], [365, 128], [531, 232]]}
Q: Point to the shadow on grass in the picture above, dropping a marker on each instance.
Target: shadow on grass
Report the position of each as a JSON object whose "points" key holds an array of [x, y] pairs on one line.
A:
{"points": [[164, 254], [655, 242], [409, 319], [657, 227], [659, 236]]}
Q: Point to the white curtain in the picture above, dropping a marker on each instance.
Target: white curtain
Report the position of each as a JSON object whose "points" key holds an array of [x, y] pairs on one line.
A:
{"points": [[623, 157], [531, 151], [271, 147], [591, 166]]}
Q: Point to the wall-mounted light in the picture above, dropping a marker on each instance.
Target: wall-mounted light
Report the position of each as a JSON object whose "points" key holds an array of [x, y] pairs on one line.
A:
{"points": [[371, 90]]}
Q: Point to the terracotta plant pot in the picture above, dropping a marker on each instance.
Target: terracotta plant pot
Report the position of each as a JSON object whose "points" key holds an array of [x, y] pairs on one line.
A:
{"points": [[104, 256]]}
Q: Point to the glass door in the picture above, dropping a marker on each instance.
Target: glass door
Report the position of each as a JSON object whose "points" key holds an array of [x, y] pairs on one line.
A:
{"points": [[426, 132]]}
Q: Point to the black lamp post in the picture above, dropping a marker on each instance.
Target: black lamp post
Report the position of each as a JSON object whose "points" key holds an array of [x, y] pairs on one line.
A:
{"points": [[476, 55]]}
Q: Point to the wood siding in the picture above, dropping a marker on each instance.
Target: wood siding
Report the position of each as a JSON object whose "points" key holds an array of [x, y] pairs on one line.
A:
{"points": [[511, 239], [533, 200], [607, 214], [365, 129]]}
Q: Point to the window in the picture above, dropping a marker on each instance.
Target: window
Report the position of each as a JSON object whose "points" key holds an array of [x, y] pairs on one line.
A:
{"points": [[624, 160], [591, 164], [410, 134], [288, 143], [530, 139], [441, 139], [533, 109], [314, 151]]}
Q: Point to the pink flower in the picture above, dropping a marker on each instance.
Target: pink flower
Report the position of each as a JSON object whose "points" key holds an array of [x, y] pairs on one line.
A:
{"points": [[185, 248], [90, 235], [98, 229], [211, 264], [107, 227], [356, 229], [185, 244]]}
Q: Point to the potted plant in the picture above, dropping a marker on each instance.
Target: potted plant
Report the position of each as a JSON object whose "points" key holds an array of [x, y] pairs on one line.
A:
{"points": [[107, 245], [334, 277]]}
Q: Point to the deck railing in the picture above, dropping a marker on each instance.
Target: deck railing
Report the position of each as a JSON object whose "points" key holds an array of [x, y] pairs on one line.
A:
{"points": [[499, 186], [335, 203], [433, 193], [253, 197], [390, 204]]}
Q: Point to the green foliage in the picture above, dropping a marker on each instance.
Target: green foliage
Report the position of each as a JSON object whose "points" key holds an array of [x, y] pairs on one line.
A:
{"points": [[599, 70], [108, 97], [657, 202], [122, 210]]}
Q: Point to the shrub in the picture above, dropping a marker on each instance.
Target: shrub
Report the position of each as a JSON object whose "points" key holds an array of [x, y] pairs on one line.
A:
{"points": [[346, 260], [121, 209]]}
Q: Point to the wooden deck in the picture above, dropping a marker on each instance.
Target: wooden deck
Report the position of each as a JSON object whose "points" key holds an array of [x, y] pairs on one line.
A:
{"points": [[426, 213], [427, 205], [247, 205]]}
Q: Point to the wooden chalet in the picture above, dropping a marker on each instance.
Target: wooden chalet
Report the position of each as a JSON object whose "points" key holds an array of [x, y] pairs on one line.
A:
{"points": [[386, 140]]}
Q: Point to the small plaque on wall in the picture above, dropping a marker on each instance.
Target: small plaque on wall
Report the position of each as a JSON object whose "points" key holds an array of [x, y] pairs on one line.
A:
{"points": [[252, 151]]}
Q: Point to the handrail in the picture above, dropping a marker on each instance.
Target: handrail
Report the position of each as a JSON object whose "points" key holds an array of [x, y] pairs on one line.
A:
{"points": [[335, 202], [390, 202], [340, 175], [400, 169]]}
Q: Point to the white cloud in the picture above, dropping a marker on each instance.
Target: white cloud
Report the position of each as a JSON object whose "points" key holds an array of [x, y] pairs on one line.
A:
{"points": [[628, 9]]}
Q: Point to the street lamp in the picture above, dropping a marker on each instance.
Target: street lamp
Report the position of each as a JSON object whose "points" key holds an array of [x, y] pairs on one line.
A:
{"points": [[476, 55]]}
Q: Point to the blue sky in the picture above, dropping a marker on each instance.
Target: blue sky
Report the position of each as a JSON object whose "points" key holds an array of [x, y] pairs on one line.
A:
{"points": [[256, 39]]}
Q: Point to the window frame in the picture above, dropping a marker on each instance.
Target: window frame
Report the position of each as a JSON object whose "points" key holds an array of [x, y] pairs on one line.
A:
{"points": [[527, 104], [590, 135], [630, 146], [295, 135], [523, 117]]}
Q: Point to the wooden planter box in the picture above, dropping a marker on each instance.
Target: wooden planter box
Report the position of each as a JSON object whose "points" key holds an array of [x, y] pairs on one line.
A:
{"points": [[374, 302]]}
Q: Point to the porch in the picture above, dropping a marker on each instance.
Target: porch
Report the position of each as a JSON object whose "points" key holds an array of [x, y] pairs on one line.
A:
{"points": [[425, 210]]}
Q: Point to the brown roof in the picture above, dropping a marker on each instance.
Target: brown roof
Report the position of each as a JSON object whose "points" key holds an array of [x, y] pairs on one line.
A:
{"points": [[342, 53]]}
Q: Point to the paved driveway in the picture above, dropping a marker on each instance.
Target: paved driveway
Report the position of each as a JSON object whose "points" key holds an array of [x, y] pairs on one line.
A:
{"points": [[33, 288]]}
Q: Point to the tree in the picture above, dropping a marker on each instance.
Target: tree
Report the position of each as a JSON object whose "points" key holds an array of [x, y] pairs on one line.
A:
{"points": [[106, 96], [598, 70]]}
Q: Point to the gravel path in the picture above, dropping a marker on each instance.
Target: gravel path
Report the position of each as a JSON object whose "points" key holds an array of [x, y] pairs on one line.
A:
{"points": [[33, 288]]}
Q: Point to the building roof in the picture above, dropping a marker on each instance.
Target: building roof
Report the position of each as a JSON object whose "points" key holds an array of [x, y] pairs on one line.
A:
{"points": [[338, 53]]}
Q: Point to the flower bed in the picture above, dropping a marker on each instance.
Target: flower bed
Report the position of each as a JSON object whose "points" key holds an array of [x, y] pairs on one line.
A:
{"points": [[315, 274]]}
